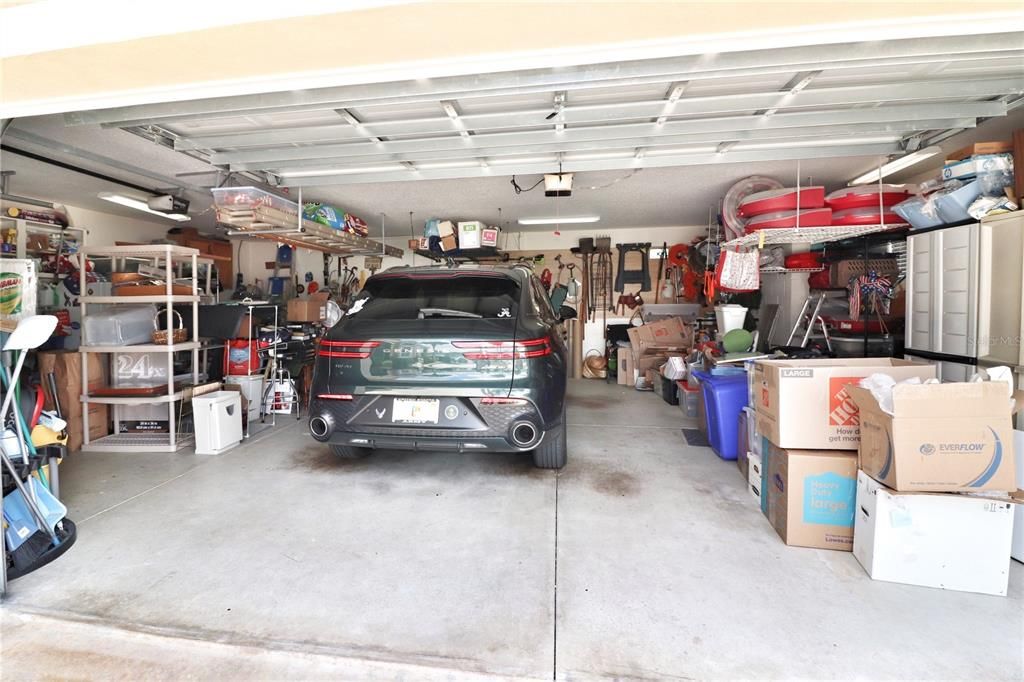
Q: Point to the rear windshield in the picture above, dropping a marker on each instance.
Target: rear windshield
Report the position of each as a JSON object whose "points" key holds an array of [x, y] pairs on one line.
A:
{"points": [[407, 298]]}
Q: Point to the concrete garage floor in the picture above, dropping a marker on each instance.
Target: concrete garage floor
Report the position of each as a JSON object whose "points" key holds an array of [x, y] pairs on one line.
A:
{"points": [[644, 558]]}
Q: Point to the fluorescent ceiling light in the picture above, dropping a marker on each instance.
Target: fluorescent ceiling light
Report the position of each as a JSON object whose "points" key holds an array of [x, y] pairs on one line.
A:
{"points": [[340, 171], [560, 221], [896, 165], [140, 205]]}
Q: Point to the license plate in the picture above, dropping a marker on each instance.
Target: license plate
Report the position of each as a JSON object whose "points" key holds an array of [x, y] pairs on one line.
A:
{"points": [[411, 411]]}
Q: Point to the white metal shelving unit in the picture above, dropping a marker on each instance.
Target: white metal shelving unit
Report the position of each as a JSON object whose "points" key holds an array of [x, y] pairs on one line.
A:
{"points": [[809, 235], [24, 227], [167, 256]]}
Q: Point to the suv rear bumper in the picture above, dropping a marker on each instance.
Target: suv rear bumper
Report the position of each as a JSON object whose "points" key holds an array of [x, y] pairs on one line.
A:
{"points": [[482, 427]]}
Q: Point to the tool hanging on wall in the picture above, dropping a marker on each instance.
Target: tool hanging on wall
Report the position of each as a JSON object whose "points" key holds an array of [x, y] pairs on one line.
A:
{"points": [[661, 271], [641, 276]]}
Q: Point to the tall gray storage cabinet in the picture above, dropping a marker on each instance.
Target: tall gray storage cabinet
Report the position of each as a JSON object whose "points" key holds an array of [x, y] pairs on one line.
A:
{"points": [[942, 299]]}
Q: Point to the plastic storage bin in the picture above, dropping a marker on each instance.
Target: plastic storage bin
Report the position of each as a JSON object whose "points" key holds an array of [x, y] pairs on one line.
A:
{"points": [[689, 399], [729, 317], [666, 388], [218, 421], [724, 398], [913, 211], [120, 326], [952, 207], [244, 198]]}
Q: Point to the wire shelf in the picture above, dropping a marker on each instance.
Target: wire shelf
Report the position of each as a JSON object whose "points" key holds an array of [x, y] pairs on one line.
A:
{"points": [[786, 271], [142, 442], [810, 235]]}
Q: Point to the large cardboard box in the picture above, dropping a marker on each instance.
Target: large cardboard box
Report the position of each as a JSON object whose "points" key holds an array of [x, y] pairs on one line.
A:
{"points": [[312, 309], [1001, 147], [1017, 551], [662, 337], [811, 495], [67, 366], [940, 437], [804, 404], [626, 375], [944, 540], [99, 426]]}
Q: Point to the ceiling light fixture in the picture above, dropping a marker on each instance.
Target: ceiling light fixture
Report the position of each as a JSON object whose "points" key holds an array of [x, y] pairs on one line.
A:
{"points": [[340, 171], [896, 165], [140, 205], [563, 220]]}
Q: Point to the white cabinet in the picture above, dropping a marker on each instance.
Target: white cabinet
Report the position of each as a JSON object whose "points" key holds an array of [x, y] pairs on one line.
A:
{"points": [[1000, 299], [942, 292]]}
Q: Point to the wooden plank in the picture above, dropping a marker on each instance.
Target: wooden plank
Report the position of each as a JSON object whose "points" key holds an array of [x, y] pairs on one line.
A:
{"points": [[1018, 163]]}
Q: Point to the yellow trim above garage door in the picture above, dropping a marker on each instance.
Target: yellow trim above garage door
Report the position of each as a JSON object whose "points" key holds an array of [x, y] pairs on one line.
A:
{"points": [[439, 39]]}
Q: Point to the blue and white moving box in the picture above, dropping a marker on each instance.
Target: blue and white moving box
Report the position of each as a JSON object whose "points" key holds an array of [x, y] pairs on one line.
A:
{"points": [[811, 496]]}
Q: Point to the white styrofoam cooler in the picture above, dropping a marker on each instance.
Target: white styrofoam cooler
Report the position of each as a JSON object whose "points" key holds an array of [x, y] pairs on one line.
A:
{"points": [[754, 475], [218, 421], [945, 540]]}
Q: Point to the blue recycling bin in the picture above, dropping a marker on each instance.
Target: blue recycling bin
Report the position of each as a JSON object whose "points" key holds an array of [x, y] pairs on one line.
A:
{"points": [[725, 396]]}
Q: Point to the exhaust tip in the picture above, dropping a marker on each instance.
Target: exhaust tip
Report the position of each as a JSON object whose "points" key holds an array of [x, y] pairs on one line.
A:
{"points": [[524, 434], [320, 428]]}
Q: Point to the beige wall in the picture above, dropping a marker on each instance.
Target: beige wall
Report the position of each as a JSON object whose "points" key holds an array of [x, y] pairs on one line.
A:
{"points": [[441, 38]]}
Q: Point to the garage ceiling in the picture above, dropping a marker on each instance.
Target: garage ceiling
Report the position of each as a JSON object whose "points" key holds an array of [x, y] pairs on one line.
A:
{"points": [[860, 99]]}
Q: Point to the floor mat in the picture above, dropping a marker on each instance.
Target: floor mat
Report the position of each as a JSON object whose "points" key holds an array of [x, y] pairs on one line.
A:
{"points": [[695, 437]]}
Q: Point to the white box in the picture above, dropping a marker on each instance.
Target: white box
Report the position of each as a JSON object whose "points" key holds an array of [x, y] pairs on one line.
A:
{"points": [[947, 540], [754, 476], [252, 389], [469, 234], [218, 421], [1017, 551]]}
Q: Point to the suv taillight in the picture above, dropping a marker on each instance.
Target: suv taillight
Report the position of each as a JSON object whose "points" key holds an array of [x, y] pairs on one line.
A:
{"points": [[505, 350], [347, 349]]}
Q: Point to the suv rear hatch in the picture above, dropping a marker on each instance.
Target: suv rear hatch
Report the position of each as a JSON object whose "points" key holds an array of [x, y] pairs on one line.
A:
{"points": [[448, 333]]}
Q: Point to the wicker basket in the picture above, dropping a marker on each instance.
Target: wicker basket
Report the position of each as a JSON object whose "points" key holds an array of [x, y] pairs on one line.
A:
{"points": [[178, 335]]}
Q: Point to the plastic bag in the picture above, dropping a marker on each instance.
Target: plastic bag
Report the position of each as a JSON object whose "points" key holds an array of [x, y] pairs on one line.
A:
{"points": [[738, 271]]}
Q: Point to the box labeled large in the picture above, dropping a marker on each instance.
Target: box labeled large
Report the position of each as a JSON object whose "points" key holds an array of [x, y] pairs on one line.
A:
{"points": [[940, 437], [804, 404], [944, 540], [811, 495]]}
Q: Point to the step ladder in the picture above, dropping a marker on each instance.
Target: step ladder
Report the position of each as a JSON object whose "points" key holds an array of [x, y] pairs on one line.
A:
{"points": [[807, 321]]}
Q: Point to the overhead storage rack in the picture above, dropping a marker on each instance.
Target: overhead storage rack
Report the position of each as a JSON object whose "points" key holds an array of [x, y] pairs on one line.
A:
{"points": [[255, 213], [810, 235]]}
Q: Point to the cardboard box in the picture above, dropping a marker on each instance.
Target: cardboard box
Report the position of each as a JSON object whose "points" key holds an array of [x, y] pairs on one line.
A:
{"points": [[944, 540], [981, 148], [977, 165], [446, 228], [664, 336], [489, 236], [99, 426], [449, 243], [306, 310], [811, 496], [804, 403], [469, 234], [940, 437], [754, 476], [67, 365], [626, 375]]}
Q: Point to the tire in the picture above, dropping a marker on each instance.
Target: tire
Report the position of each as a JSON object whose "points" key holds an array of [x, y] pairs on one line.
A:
{"points": [[349, 451], [552, 451]]}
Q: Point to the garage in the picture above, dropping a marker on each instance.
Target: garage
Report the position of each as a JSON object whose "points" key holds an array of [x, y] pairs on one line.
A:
{"points": [[414, 340]]}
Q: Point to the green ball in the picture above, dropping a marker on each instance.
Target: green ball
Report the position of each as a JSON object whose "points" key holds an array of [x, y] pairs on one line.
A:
{"points": [[737, 341]]}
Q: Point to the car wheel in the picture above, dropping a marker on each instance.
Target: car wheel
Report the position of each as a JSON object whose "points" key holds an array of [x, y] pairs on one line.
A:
{"points": [[551, 453], [349, 452]]}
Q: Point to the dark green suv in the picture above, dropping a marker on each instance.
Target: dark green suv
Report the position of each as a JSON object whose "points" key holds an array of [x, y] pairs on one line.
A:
{"points": [[467, 358]]}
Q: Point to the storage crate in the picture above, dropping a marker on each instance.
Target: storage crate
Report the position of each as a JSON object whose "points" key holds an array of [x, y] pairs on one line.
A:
{"points": [[248, 198], [841, 272]]}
